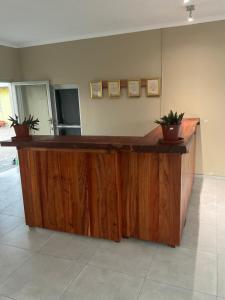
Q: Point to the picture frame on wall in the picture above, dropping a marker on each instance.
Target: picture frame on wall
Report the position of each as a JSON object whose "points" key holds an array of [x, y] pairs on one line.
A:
{"points": [[96, 89], [114, 88], [153, 87], [134, 88]]}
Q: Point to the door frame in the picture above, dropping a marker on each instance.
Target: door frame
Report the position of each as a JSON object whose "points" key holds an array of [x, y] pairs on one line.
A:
{"points": [[55, 121], [18, 103]]}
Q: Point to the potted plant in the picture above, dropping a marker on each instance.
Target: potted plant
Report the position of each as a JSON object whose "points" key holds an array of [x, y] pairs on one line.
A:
{"points": [[22, 129], [171, 125]]}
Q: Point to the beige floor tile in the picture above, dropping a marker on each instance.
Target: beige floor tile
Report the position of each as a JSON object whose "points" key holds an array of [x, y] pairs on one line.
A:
{"points": [[10, 187], [26, 238], [14, 209], [10, 180], [4, 203], [202, 214], [71, 246], [221, 276], [95, 283], [7, 223], [175, 272], [41, 278], [5, 298], [220, 201], [185, 268], [199, 236], [207, 187], [158, 291], [221, 219], [220, 184], [129, 256], [205, 200], [220, 195], [10, 259], [221, 240]]}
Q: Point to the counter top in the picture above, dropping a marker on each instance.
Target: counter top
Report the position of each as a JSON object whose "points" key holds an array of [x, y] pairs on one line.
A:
{"points": [[147, 143]]}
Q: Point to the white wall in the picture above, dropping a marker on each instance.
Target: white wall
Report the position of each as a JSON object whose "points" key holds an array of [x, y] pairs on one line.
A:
{"points": [[194, 82], [9, 64], [129, 56]]}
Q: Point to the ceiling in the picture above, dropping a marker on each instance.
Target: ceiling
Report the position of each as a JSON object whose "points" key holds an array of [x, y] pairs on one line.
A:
{"points": [[35, 22]]}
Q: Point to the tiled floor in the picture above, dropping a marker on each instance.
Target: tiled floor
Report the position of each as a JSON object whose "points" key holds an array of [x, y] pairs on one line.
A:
{"points": [[7, 154], [46, 265]]}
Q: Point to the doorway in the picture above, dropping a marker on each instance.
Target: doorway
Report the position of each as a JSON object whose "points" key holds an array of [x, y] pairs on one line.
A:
{"points": [[67, 119], [23, 99], [8, 155], [33, 98]]}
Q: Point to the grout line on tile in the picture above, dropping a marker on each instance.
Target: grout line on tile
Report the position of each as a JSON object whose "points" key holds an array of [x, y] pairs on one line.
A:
{"points": [[71, 281], [196, 250], [141, 288], [217, 274], [146, 276], [6, 280], [115, 271], [7, 297], [12, 215], [19, 248], [217, 258], [69, 259], [181, 287], [48, 239], [57, 256], [2, 243], [8, 232]]}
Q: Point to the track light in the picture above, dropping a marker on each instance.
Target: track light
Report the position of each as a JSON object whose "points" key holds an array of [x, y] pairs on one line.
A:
{"points": [[190, 9]]}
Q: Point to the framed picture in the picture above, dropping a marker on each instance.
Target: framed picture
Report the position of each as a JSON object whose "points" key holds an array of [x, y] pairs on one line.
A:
{"points": [[96, 89], [114, 88], [153, 87], [134, 88]]}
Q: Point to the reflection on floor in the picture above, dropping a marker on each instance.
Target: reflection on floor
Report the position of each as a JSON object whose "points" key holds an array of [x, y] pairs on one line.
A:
{"points": [[41, 264]]}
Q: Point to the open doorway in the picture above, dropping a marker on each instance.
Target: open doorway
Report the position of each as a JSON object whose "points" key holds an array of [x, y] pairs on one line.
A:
{"points": [[33, 98], [8, 155], [66, 104]]}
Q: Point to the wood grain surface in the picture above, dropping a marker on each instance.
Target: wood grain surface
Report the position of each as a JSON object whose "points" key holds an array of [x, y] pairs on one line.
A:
{"points": [[71, 191], [147, 143], [108, 193], [139, 194]]}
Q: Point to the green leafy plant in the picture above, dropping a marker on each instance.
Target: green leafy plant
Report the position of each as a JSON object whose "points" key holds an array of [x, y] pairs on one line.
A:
{"points": [[31, 122], [170, 119]]}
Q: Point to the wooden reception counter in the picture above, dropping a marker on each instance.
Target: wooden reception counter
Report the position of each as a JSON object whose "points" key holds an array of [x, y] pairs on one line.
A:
{"points": [[109, 187]]}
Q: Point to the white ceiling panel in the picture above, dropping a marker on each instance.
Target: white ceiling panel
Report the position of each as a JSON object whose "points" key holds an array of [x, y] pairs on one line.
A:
{"points": [[34, 22]]}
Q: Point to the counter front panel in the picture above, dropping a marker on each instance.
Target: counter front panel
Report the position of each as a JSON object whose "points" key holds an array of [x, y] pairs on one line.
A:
{"points": [[109, 187]]}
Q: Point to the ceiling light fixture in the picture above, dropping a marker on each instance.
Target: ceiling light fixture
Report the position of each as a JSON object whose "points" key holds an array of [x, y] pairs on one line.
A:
{"points": [[186, 1], [190, 9]]}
